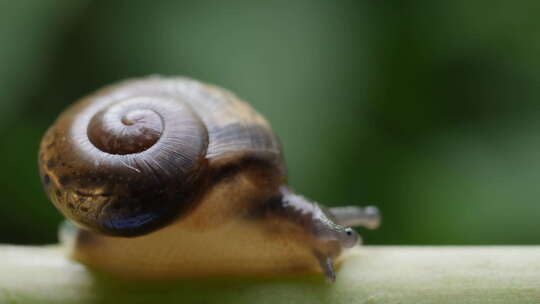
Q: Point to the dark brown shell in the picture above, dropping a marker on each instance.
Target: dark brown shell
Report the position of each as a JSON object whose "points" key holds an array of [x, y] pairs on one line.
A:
{"points": [[178, 131]]}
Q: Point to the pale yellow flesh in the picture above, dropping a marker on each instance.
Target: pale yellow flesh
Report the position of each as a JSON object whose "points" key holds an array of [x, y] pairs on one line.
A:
{"points": [[236, 248]]}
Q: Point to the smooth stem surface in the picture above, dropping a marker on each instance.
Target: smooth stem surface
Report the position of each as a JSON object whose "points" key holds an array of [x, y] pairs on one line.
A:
{"points": [[368, 275]]}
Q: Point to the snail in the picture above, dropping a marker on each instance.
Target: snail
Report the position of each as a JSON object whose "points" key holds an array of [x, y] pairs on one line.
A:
{"points": [[168, 177]]}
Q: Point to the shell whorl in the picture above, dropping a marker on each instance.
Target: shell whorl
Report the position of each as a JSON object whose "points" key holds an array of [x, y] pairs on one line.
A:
{"points": [[124, 165], [131, 157], [124, 128]]}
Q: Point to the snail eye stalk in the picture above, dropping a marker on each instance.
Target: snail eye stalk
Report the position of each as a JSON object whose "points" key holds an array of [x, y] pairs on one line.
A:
{"points": [[353, 216]]}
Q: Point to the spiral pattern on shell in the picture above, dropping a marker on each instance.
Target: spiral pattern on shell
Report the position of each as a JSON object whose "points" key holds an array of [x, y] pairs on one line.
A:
{"points": [[123, 128], [124, 165]]}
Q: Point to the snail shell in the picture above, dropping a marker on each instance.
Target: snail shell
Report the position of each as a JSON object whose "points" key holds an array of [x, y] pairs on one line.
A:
{"points": [[131, 157]]}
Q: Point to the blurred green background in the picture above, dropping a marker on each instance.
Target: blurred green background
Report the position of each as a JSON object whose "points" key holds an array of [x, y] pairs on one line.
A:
{"points": [[428, 109]]}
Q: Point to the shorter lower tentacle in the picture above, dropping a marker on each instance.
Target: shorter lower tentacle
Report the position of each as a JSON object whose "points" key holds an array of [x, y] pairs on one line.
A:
{"points": [[327, 267]]}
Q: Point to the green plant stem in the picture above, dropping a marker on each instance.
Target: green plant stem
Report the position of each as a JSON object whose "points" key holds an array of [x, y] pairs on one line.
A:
{"points": [[368, 275]]}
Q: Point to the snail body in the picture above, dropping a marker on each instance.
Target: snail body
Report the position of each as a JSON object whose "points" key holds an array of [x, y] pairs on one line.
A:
{"points": [[170, 177]]}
